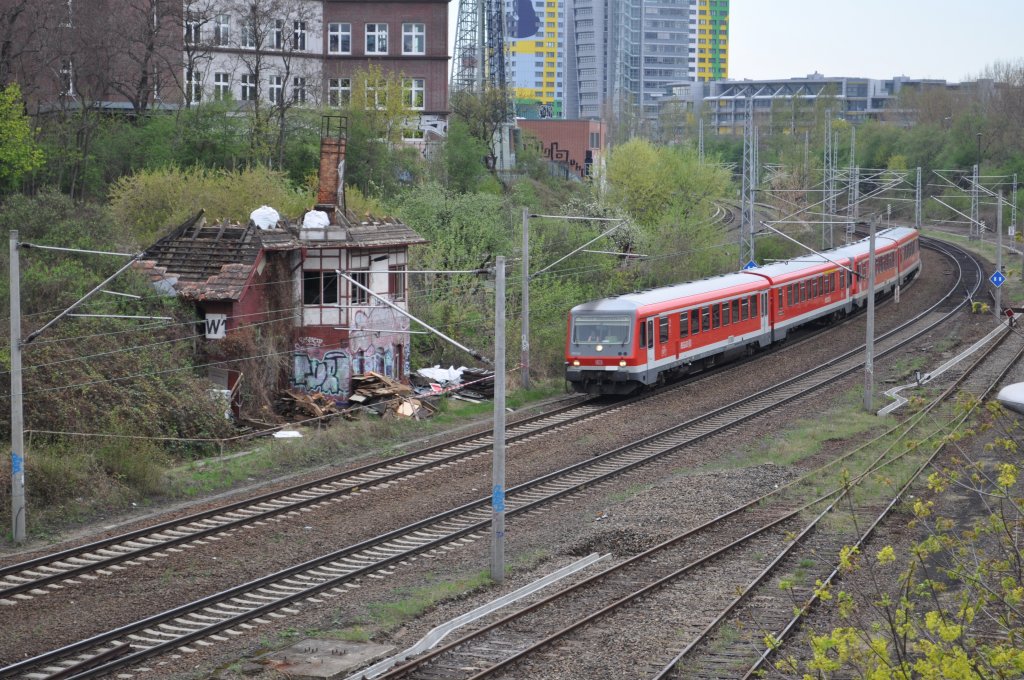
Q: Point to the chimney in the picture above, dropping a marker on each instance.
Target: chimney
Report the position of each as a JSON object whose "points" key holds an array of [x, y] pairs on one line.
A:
{"points": [[331, 193]]}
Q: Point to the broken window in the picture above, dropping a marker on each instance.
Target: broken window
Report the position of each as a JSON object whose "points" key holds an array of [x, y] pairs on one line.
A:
{"points": [[319, 287]]}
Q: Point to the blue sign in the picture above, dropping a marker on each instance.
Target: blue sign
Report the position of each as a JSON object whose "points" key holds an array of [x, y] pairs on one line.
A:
{"points": [[17, 463], [997, 279], [750, 265], [498, 499]]}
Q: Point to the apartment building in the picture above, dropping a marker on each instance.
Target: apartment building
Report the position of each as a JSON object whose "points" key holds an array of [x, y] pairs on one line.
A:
{"points": [[622, 55], [537, 57], [257, 52]]}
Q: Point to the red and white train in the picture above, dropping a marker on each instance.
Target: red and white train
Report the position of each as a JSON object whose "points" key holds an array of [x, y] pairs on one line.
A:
{"points": [[619, 344]]}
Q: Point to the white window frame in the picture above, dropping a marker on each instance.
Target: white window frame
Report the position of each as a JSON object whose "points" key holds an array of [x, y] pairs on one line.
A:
{"points": [[411, 87], [299, 35], [193, 29], [339, 91], [221, 85], [193, 85], [414, 38], [275, 89], [248, 89], [247, 38], [277, 35], [379, 36], [299, 90], [339, 38], [222, 30]]}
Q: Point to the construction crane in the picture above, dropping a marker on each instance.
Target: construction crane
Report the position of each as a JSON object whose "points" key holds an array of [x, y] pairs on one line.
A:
{"points": [[480, 41]]}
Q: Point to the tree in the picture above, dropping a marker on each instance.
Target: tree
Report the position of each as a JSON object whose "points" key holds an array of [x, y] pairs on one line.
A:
{"points": [[463, 156], [379, 113], [19, 152], [484, 113]]}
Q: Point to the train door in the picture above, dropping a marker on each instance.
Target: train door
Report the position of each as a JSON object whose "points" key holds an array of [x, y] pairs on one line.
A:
{"points": [[650, 341], [764, 311]]}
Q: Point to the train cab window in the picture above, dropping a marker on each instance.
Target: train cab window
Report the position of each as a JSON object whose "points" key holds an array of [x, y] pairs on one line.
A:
{"points": [[744, 309], [643, 333], [705, 319], [663, 330], [736, 311], [684, 324], [695, 321], [716, 316]]}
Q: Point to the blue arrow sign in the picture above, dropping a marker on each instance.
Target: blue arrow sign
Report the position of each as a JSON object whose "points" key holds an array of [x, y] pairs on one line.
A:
{"points": [[750, 265], [997, 279]]}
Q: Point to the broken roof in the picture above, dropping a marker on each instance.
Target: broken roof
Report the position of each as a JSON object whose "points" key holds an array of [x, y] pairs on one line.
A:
{"points": [[201, 261]]}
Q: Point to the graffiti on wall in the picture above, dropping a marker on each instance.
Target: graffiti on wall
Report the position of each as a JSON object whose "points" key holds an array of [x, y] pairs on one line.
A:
{"points": [[327, 372]]}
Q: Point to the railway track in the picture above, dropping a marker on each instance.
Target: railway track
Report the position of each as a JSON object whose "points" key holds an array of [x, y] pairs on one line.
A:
{"points": [[45, 574], [674, 581], [227, 613]]}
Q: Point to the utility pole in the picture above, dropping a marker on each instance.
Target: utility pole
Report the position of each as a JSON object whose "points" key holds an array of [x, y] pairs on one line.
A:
{"points": [[17, 407], [498, 462], [917, 200], [975, 232], [524, 354], [700, 140], [999, 251], [869, 343]]}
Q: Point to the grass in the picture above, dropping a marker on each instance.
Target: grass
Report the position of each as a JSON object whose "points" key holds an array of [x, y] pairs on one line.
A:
{"points": [[69, 484], [807, 437]]}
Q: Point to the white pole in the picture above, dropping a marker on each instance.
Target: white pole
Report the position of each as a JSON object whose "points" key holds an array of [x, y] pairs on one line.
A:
{"points": [[498, 462], [524, 357], [869, 344], [17, 414], [999, 252]]}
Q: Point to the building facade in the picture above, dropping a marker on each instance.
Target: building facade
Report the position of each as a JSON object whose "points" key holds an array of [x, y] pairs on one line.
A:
{"points": [[537, 57], [257, 52], [622, 55], [795, 104]]}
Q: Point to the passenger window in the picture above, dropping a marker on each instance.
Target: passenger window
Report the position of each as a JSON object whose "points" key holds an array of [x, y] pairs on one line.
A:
{"points": [[725, 314], [842, 279], [781, 298], [716, 316], [753, 306], [744, 309], [705, 319], [736, 310], [684, 324], [695, 321], [663, 330]]}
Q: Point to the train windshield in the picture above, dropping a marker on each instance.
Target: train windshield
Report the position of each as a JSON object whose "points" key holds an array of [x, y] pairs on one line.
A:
{"points": [[593, 329]]}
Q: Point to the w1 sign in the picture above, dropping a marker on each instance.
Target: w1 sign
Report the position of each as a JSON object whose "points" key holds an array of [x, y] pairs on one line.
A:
{"points": [[216, 326]]}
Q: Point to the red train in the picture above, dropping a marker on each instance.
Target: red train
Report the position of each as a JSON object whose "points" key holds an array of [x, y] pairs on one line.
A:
{"points": [[619, 344]]}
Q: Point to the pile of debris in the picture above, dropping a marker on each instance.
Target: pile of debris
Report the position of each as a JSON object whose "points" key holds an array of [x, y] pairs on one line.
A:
{"points": [[388, 398], [467, 384], [295, 405]]}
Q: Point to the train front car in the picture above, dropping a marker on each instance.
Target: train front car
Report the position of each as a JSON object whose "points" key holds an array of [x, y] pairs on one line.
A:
{"points": [[618, 345], [600, 346]]}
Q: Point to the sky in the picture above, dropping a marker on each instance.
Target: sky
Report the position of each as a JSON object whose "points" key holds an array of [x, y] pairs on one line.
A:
{"points": [[952, 40], [948, 39]]}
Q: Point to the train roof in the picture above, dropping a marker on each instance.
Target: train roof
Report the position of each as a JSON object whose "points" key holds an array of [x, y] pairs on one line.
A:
{"points": [[696, 291]]}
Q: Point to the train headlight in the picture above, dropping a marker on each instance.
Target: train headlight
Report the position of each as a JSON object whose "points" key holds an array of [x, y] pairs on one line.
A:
{"points": [[622, 362], [575, 362], [599, 348]]}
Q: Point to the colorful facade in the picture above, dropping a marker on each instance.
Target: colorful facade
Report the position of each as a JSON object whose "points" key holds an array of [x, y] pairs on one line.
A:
{"points": [[537, 57], [712, 39]]}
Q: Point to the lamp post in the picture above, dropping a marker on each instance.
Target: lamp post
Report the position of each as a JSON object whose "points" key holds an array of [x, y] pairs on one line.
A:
{"points": [[979, 150]]}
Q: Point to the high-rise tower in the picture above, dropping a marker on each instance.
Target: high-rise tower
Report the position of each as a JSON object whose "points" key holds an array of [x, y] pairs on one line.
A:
{"points": [[537, 57], [624, 54]]}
